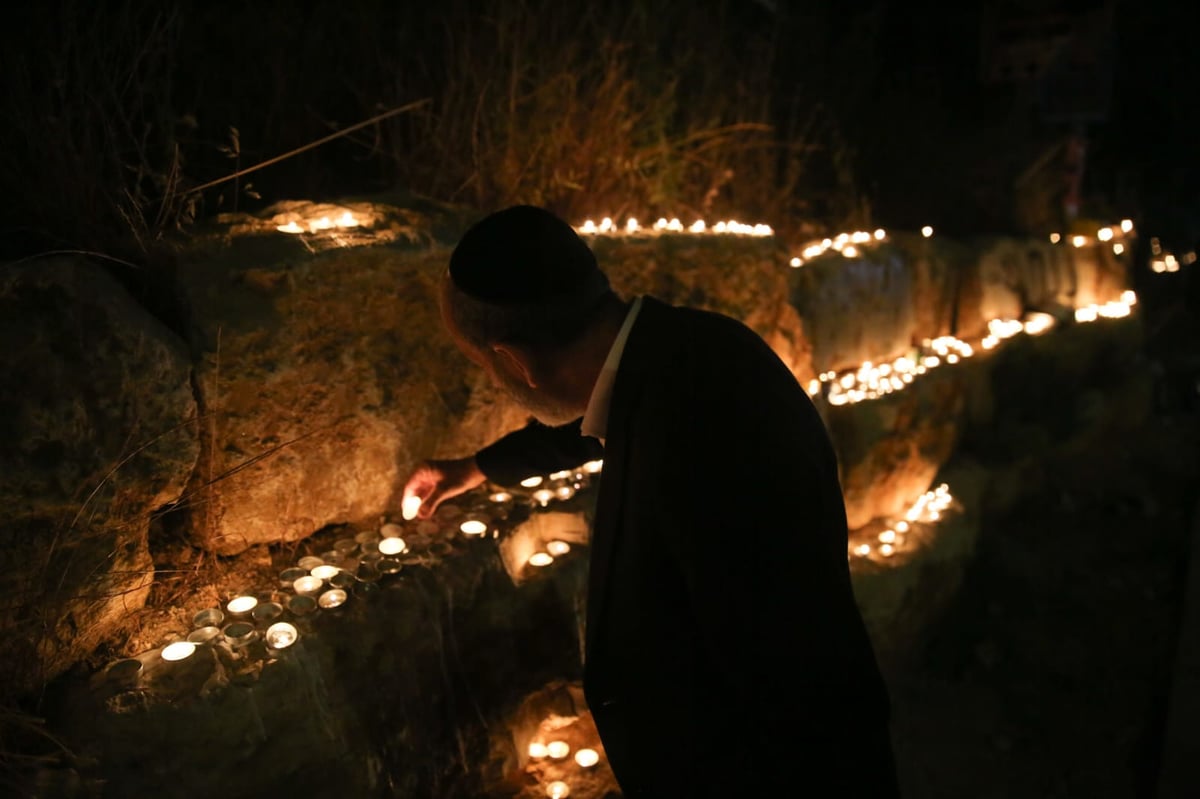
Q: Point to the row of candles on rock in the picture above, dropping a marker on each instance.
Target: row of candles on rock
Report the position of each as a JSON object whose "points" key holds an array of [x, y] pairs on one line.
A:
{"points": [[320, 583], [633, 227], [1165, 261], [929, 508], [872, 381], [847, 244]]}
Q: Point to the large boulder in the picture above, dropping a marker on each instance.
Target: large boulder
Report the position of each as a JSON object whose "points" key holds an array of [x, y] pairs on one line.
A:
{"points": [[99, 428], [324, 376]]}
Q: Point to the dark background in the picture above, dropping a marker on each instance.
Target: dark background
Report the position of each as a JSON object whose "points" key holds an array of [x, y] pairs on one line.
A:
{"points": [[879, 113]]}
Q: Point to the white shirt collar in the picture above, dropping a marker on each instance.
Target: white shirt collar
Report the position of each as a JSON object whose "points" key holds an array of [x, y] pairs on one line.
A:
{"points": [[595, 418]]}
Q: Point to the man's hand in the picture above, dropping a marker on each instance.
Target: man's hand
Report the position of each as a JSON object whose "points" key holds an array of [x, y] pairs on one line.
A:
{"points": [[436, 481]]}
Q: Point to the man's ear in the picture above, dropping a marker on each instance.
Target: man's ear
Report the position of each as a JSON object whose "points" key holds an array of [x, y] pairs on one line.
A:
{"points": [[519, 360]]}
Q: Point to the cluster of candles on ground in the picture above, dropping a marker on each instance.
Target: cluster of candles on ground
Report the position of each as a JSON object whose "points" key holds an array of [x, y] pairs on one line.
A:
{"points": [[550, 750], [930, 508], [323, 223], [261, 624]]}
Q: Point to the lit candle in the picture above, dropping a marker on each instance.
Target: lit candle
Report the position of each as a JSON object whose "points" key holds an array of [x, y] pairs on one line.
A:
{"points": [[392, 546], [1078, 241], [888, 537], [473, 527], [927, 231], [593, 467], [1126, 225], [901, 527], [531, 482], [308, 585], [281, 635], [409, 507], [500, 496], [558, 548], [564, 492], [558, 749], [558, 790], [537, 749], [543, 496], [179, 650], [541, 559], [587, 757], [886, 550], [324, 571], [332, 598], [290, 227], [241, 605], [863, 549]]}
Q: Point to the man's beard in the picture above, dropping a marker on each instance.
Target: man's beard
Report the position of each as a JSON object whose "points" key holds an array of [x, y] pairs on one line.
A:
{"points": [[545, 409]]}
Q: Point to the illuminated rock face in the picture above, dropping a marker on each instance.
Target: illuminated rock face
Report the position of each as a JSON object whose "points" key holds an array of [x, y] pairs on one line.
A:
{"points": [[324, 375], [324, 378], [890, 449], [98, 423]]}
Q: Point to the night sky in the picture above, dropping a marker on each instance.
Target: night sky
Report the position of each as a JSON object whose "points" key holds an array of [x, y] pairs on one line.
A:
{"points": [[907, 120]]}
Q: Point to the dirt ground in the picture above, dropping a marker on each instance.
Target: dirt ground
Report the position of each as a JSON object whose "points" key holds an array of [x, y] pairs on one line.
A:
{"points": [[1050, 674]]}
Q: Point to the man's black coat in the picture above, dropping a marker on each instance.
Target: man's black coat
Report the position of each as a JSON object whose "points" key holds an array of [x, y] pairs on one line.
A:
{"points": [[725, 654]]}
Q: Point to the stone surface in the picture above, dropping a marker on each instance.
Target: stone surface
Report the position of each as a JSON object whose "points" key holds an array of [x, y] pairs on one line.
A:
{"points": [[890, 449], [99, 431], [325, 376], [413, 689]]}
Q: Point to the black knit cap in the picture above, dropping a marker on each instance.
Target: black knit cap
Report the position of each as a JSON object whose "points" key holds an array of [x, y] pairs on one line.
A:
{"points": [[523, 255]]}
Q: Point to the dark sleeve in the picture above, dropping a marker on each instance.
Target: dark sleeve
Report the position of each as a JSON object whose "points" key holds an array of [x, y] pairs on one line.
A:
{"points": [[537, 449]]}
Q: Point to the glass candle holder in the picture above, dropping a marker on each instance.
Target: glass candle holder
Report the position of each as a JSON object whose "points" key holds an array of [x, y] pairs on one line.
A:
{"points": [[389, 566], [240, 634], [180, 650], [333, 598], [308, 585], [342, 579], [209, 617], [203, 635], [288, 576], [266, 612], [241, 606], [302, 605], [324, 571], [309, 562], [281, 635], [367, 572], [125, 673]]}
